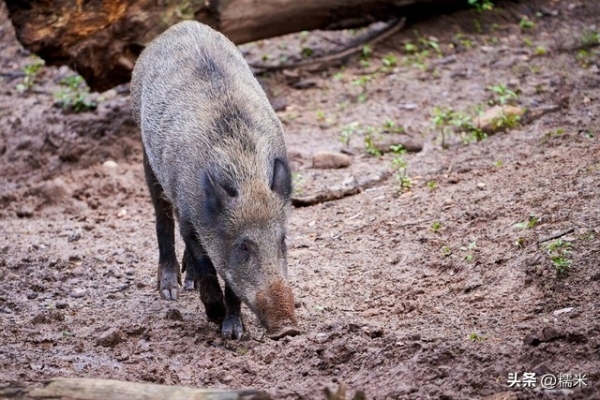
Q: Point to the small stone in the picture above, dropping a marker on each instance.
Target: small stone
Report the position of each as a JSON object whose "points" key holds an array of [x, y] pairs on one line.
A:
{"points": [[490, 121], [330, 160], [110, 164], [480, 185], [61, 306], [77, 293], [110, 338], [563, 311], [122, 212], [74, 236]]}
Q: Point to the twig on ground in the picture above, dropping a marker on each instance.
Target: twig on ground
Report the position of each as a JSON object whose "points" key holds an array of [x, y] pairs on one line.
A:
{"points": [[557, 235], [337, 192], [340, 57]]}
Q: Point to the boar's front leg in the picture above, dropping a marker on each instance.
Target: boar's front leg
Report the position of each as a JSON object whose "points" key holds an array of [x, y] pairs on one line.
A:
{"points": [[199, 266], [169, 275], [232, 328]]}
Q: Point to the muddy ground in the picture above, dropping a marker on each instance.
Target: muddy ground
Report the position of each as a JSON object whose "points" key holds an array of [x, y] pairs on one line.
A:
{"points": [[440, 290]]}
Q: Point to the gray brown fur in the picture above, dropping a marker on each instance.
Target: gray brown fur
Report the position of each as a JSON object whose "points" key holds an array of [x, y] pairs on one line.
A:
{"points": [[214, 149]]}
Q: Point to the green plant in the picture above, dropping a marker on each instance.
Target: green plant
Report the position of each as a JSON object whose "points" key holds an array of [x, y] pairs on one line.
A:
{"points": [[476, 337], [503, 94], [366, 52], [370, 148], [75, 95], [436, 226], [498, 163], [389, 60], [541, 51], [31, 72], [449, 121], [531, 222], [307, 52], [390, 126], [431, 185], [470, 250], [297, 182], [525, 23], [400, 167], [446, 250], [590, 38], [559, 251], [481, 5], [320, 115], [441, 119], [347, 132]]}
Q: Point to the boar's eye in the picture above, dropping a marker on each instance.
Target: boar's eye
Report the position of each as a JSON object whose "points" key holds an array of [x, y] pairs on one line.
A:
{"points": [[242, 252]]}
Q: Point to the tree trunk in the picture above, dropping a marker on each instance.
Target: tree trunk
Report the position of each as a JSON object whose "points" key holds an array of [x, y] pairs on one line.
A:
{"points": [[102, 39]]}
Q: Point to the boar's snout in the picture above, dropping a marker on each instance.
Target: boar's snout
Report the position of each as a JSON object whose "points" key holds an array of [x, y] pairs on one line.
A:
{"points": [[275, 309]]}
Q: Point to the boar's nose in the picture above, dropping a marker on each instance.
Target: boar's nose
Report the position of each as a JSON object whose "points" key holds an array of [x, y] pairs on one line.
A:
{"points": [[275, 309]]}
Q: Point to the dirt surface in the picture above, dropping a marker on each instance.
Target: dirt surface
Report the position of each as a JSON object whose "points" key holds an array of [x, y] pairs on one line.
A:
{"points": [[440, 290]]}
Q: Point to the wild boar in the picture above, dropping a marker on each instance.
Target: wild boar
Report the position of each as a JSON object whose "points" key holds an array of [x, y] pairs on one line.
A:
{"points": [[215, 160]]}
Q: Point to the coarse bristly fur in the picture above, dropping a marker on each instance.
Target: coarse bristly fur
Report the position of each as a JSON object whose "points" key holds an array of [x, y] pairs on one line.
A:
{"points": [[216, 147]]}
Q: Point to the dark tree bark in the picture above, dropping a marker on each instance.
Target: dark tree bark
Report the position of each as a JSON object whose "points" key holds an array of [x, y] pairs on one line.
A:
{"points": [[102, 39]]}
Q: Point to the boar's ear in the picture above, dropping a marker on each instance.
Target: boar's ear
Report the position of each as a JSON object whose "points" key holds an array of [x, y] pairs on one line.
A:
{"points": [[217, 196], [282, 179]]}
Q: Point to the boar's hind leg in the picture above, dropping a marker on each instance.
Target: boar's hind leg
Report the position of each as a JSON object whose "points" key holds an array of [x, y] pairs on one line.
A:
{"points": [[200, 267], [190, 271], [169, 276], [232, 328]]}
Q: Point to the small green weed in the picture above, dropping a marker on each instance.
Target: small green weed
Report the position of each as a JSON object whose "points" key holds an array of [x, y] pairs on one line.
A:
{"points": [[531, 222], [347, 132], [389, 61], [559, 252], [75, 95], [436, 226], [470, 249], [31, 72], [431, 185], [482, 5], [526, 23], [370, 148], [503, 95], [297, 182], [476, 337], [446, 250], [399, 166], [590, 38]]}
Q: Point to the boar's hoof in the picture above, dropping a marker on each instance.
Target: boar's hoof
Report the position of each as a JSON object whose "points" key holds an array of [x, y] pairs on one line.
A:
{"points": [[188, 284], [169, 294], [285, 331], [169, 279], [232, 327]]}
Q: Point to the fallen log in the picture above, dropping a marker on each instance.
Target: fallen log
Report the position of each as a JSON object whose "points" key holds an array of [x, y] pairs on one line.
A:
{"points": [[102, 39], [102, 389]]}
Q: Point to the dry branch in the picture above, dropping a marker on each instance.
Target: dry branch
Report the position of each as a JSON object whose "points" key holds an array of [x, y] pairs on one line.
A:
{"points": [[101, 389], [348, 188], [340, 57]]}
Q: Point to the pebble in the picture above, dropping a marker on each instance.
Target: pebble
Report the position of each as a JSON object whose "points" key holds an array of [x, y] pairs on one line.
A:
{"points": [[330, 160], [110, 338], [110, 164]]}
